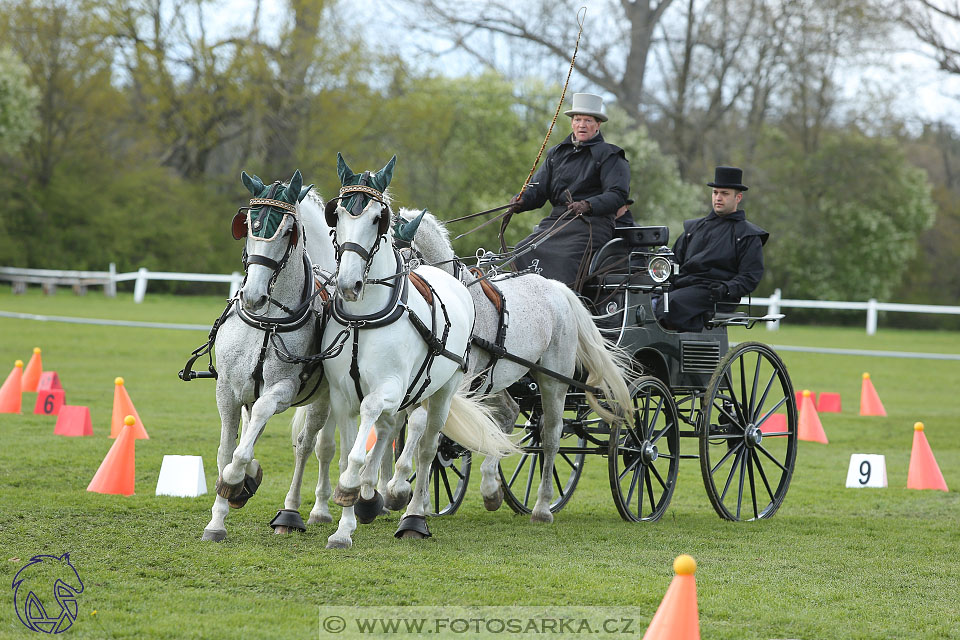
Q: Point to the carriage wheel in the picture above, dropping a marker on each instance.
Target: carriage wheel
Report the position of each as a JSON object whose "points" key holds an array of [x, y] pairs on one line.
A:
{"points": [[748, 433], [644, 455], [449, 474], [520, 475]]}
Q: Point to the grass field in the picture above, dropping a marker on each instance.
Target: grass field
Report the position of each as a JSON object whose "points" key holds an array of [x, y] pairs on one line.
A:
{"points": [[833, 562]]}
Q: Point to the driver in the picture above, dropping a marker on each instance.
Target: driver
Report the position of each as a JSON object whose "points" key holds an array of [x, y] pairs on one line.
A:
{"points": [[720, 257], [587, 181]]}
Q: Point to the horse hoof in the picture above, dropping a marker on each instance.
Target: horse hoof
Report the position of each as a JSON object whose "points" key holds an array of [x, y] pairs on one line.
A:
{"points": [[413, 527], [345, 497], [318, 518], [397, 502], [539, 517], [287, 520], [339, 544], [280, 530], [492, 503], [237, 495], [367, 511], [214, 535]]}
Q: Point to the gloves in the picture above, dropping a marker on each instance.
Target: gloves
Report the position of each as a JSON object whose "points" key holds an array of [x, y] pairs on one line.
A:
{"points": [[718, 291], [516, 204], [580, 207]]}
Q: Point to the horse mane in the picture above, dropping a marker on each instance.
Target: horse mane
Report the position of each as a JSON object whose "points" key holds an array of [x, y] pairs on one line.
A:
{"points": [[432, 239]]}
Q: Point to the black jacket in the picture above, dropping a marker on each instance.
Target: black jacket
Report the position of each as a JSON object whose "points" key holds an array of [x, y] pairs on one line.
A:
{"points": [[595, 171], [726, 249]]}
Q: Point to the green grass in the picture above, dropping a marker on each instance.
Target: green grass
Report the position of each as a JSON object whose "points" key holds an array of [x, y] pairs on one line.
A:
{"points": [[833, 563]]}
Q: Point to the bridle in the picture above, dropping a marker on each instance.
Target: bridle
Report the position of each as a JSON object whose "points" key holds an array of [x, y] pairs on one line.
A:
{"points": [[330, 212], [247, 223]]}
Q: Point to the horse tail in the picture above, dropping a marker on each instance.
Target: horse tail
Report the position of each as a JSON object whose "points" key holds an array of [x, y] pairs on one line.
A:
{"points": [[297, 424], [606, 364], [471, 424]]}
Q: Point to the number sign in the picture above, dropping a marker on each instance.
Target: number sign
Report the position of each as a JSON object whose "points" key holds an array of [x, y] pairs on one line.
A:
{"points": [[867, 470]]}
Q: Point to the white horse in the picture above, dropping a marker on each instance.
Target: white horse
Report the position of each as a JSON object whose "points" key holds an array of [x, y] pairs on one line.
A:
{"points": [[272, 318], [405, 345], [547, 325]]}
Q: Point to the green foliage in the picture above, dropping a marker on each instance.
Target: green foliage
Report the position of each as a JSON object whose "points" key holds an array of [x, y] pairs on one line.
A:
{"points": [[843, 220], [18, 103]]}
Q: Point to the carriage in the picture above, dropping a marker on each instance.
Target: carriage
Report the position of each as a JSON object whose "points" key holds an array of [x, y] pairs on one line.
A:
{"points": [[738, 403]]}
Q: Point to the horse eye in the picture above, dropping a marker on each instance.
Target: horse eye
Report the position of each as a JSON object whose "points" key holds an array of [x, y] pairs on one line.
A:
{"points": [[376, 220]]}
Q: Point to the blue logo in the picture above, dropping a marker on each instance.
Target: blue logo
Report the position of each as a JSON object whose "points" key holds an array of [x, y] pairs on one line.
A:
{"points": [[32, 586]]}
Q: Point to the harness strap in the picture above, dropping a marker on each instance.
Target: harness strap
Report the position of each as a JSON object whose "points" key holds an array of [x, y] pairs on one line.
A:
{"points": [[422, 287], [263, 260], [354, 247], [495, 296], [486, 345]]}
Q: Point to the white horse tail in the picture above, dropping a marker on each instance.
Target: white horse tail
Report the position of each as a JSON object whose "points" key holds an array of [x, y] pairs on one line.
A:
{"points": [[470, 424], [297, 424], [605, 363]]}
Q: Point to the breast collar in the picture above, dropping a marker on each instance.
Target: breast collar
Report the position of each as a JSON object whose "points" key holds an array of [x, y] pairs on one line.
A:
{"points": [[389, 314], [299, 316]]}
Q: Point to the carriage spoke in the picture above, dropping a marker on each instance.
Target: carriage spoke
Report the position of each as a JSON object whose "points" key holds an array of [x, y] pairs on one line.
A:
{"points": [[630, 467], [766, 392], [743, 465], [733, 471], [446, 483], [633, 484], [556, 479], [649, 483], [769, 413], [657, 474], [753, 393], [775, 461], [753, 484], [763, 476], [516, 472], [729, 453]]}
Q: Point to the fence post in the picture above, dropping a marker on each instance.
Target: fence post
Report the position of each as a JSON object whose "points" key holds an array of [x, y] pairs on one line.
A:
{"points": [[235, 280], [140, 288], [871, 316], [774, 307], [110, 289]]}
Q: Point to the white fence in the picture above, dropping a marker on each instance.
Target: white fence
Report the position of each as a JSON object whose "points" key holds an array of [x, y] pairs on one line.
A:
{"points": [[49, 279]]}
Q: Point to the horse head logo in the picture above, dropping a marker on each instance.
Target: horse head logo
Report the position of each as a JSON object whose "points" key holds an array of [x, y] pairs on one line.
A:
{"points": [[36, 579]]}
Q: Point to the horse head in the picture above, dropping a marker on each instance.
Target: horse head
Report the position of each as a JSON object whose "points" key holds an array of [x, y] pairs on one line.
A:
{"points": [[271, 226], [360, 217]]}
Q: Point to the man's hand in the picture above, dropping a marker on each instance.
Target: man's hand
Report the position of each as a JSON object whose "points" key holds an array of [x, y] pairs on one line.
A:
{"points": [[580, 207], [516, 203], [718, 291]]}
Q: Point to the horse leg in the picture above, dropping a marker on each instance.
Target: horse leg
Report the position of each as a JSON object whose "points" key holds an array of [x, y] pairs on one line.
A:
{"points": [[233, 483], [373, 405], [342, 538], [552, 394], [229, 425], [303, 445], [326, 447], [504, 410], [398, 489], [437, 410]]}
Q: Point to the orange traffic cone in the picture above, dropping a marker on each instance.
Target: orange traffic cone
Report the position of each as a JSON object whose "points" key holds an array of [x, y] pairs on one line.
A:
{"points": [[116, 473], [924, 472], [870, 404], [122, 407], [31, 375], [810, 428], [676, 617], [10, 392], [372, 438]]}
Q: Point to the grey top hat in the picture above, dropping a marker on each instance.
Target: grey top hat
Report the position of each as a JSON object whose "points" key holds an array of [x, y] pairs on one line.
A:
{"points": [[587, 104]]}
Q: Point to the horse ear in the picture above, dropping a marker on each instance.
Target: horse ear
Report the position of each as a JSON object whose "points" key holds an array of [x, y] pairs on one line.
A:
{"points": [[407, 230], [383, 177], [293, 189], [303, 193], [254, 185], [343, 170]]}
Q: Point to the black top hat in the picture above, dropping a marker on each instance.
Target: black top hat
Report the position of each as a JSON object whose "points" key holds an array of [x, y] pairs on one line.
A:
{"points": [[728, 178]]}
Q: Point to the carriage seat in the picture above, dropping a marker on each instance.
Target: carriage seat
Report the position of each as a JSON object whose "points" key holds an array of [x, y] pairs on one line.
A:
{"points": [[740, 319], [643, 236]]}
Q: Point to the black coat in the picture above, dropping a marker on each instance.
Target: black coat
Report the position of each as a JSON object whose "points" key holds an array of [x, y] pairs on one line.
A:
{"points": [[595, 171], [726, 249]]}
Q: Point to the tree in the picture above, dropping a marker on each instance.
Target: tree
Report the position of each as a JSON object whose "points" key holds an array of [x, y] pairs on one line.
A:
{"points": [[18, 103], [840, 228]]}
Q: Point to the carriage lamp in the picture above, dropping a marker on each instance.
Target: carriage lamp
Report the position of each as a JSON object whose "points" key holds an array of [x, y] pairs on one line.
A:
{"points": [[659, 269]]}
